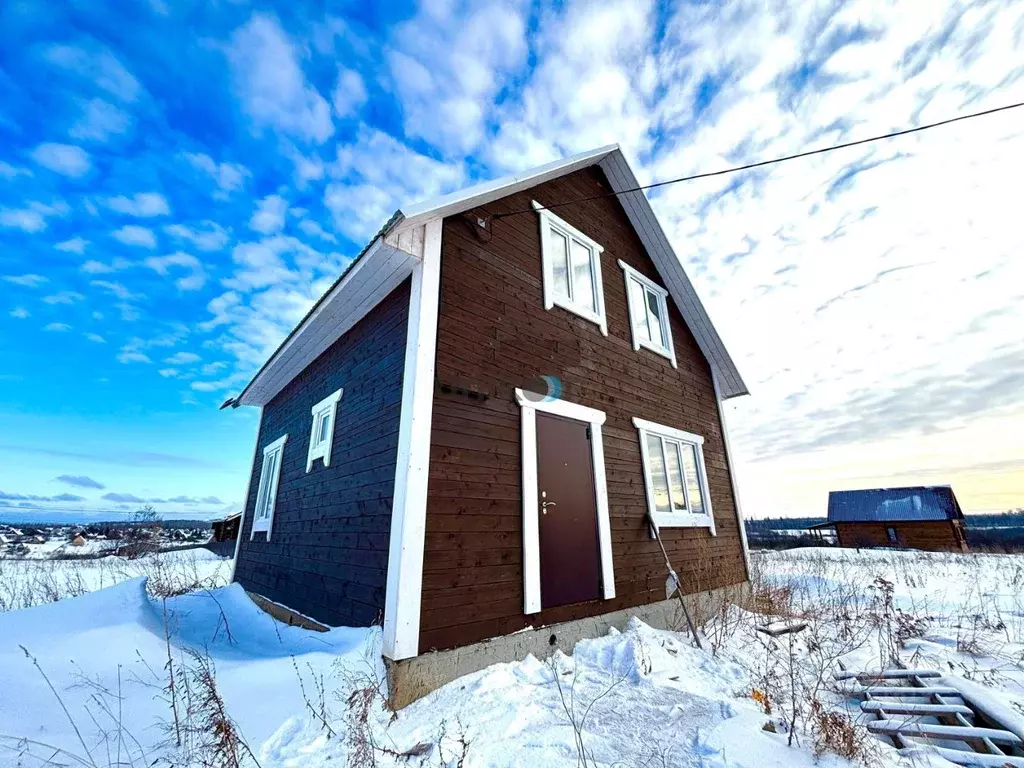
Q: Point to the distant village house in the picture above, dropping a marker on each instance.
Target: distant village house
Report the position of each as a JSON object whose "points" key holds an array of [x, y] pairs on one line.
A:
{"points": [[922, 517]]}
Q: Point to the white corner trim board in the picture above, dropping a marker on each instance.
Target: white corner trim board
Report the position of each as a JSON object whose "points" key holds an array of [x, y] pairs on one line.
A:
{"points": [[245, 498], [529, 404], [266, 496], [409, 505], [673, 517], [663, 346], [321, 438], [549, 222], [733, 480]]}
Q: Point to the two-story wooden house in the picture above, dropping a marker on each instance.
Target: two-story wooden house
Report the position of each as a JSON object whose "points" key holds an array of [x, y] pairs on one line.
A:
{"points": [[463, 437]]}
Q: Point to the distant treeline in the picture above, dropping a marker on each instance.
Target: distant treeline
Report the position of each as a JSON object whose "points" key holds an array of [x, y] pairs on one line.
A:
{"points": [[1003, 531]]}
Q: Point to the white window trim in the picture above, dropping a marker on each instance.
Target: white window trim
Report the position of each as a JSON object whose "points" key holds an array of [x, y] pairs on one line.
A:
{"points": [[550, 220], [267, 523], [529, 404], [323, 450], [670, 351], [675, 519]]}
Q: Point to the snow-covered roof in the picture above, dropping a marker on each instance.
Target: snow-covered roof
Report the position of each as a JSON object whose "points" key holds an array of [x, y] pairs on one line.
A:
{"points": [[893, 505], [384, 264]]}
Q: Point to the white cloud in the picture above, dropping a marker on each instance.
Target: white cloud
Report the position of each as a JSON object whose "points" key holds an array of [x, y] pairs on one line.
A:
{"points": [[99, 66], [119, 290], [74, 245], [29, 280], [311, 228], [95, 338], [449, 63], [209, 236], [93, 267], [196, 278], [132, 356], [34, 217], [9, 171], [229, 177], [63, 297], [271, 84], [99, 121], [65, 159], [376, 174], [23, 219], [269, 215], [142, 205], [211, 368], [57, 327], [132, 234], [20, 312], [349, 93], [183, 358], [169, 373]]}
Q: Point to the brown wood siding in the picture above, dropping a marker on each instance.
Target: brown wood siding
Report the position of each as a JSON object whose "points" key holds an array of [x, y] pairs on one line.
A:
{"points": [[494, 335], [328, 551], [932, 536]]}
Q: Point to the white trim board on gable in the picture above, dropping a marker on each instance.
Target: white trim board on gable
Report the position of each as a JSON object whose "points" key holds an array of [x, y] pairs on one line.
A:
{"points": [[386, 262]]}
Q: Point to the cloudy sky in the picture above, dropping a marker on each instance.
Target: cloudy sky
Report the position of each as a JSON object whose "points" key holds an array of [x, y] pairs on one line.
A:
{"points": [[179, 180]]}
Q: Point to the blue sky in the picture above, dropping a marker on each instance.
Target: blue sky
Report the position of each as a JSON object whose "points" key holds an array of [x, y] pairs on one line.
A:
{"points": [[180, 180]]}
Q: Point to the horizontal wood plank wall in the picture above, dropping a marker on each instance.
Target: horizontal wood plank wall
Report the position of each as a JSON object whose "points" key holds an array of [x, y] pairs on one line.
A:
{"points": [[494, 335], [928, 535], [328, 551]]}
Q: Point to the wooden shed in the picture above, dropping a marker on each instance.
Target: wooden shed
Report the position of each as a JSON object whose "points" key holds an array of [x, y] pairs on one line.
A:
{"points": [[464, 436], [919, 517]]}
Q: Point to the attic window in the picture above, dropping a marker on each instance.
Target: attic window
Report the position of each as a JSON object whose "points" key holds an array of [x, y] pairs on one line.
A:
{"points": [[648, 314], [266, 497], [572, 269], [322, 436], [675, 476]]}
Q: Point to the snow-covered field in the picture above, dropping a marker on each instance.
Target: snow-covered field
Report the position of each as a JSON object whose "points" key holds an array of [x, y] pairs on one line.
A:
{"points": [[32, 581], [640, 697]]}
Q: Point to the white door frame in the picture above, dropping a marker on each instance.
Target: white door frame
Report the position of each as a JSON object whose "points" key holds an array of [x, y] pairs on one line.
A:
{"points": [[530, 403]]}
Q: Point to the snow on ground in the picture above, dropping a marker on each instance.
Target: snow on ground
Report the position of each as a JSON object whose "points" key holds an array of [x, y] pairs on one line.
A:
{"points": [[111, 644], [640, 697], [29, 582]]}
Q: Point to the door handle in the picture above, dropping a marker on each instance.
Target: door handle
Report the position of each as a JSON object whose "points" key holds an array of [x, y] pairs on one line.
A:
{"points": [[544, 506]]}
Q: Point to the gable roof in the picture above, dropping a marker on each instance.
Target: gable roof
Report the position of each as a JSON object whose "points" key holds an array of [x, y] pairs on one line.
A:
{"points": [[383, 264], [881, 505]]}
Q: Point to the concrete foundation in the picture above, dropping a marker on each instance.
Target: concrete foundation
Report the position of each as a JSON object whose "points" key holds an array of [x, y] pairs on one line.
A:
{"points": [[284, 614], [412, 679]]}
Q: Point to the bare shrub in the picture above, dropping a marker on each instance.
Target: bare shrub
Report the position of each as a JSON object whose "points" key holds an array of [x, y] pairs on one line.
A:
{"points": [[207, 735], [836, 733]]}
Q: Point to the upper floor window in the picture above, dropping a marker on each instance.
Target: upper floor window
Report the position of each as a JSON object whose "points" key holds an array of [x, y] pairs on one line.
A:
{"points": [[674, 475], [266, 496], [572, 269], [648, 314], [322, 437]]}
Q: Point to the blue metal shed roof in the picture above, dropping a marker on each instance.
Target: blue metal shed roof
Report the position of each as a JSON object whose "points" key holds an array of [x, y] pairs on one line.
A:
{"points": [[935, 502]]}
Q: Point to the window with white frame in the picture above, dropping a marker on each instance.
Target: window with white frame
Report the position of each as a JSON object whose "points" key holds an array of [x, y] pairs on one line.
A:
{"points": [[266, 496], [322, 436], [648, 314], [674, 476], [572, 269]]}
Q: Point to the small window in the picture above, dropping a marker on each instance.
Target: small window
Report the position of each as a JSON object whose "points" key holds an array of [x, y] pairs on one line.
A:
{"points": [[322, 436], [648, 314], [674, 476], [572, 269], [893, 539], [266, 496]]}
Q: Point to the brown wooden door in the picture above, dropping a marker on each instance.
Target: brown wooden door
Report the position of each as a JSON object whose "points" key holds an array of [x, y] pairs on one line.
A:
{"points": [[570, 568]]}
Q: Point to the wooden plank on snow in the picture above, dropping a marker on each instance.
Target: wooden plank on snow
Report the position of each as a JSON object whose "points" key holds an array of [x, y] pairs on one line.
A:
{"points": [[950, 732], [888, 674], [914, 708]]}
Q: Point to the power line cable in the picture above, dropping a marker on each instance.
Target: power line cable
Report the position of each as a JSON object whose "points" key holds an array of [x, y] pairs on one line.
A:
{"points": [[762, 163]]}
